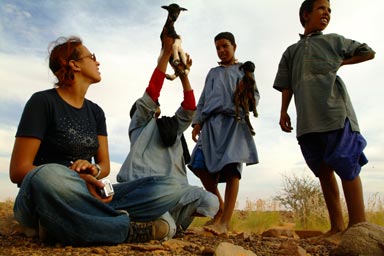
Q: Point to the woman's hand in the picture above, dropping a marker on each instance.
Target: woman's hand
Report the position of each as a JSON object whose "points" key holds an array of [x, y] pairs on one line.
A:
{"points": [[87, 172], [83, 166], [94, 186]]}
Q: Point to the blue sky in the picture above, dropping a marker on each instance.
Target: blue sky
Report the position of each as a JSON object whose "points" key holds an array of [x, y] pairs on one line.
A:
{"points": [[125, 37]]}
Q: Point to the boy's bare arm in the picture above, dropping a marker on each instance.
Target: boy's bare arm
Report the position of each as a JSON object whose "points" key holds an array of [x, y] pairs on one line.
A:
{"points": [[358, 58], [285, 120]]}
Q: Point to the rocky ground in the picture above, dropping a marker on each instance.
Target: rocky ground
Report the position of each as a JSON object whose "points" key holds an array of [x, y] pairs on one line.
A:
{"points": [[193, 242]]}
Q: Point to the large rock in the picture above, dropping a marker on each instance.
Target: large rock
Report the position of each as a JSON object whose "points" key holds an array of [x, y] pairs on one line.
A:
{"points": [[280, 232], [361, 239], [289, 247], [228, 249]]}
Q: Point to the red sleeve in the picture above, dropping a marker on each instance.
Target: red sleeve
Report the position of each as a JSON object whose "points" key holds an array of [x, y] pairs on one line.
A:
{"points": [[155, 84], [189, 102]]}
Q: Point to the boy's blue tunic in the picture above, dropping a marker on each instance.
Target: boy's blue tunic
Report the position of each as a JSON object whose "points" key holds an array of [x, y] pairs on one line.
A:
{"points": [[223, 139]]}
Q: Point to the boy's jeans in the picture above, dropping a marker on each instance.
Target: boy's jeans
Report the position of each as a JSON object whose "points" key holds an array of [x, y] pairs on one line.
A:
{"points": [[58, 198]]}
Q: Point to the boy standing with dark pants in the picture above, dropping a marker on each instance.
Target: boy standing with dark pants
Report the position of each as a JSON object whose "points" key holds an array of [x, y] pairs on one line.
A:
{"points": [[327, 127]]}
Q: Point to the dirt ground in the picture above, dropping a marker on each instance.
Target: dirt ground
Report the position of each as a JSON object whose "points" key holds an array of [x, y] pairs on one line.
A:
{"points": [[195, 241]]}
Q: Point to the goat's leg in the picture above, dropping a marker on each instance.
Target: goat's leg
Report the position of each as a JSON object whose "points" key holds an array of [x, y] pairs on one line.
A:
{"points": [[175, 52], [249, 124], [237, 103], [182, 55], [171, 77], [246, 117], [254, 110], [252, 103], [179, 59]]}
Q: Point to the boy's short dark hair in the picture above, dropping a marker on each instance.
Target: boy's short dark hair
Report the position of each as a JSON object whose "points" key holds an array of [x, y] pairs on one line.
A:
{"points": [[306, 6], [226, 35]]}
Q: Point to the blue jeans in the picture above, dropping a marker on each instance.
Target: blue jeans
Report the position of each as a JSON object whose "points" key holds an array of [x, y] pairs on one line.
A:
{"points": [[194, 200], [59, 198]]}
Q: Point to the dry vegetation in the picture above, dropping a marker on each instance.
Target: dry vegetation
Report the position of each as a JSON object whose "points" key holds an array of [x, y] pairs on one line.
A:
{"points": [[300, 198], [299, 203], [8, 225]]}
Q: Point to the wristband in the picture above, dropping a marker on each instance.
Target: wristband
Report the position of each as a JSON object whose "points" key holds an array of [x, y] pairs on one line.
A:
{"points": [[98, 170]]}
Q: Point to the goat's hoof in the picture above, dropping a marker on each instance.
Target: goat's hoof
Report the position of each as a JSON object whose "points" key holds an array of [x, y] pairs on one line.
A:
{"points": [[253, 132], [176, 62], [170, 77]]}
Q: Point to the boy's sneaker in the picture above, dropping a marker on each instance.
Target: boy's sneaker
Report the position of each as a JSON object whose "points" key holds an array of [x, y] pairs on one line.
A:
{"points": [[161, 229]]}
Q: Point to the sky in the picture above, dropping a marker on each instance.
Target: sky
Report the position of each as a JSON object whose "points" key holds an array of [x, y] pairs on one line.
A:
{"points": [[125, 36]]}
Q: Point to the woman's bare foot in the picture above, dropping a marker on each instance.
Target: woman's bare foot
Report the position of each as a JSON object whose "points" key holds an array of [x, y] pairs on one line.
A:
{"points": [[217, 229]]}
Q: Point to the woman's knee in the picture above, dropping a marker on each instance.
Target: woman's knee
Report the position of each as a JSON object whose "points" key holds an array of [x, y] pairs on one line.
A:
{"points": [[53, 178]]}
